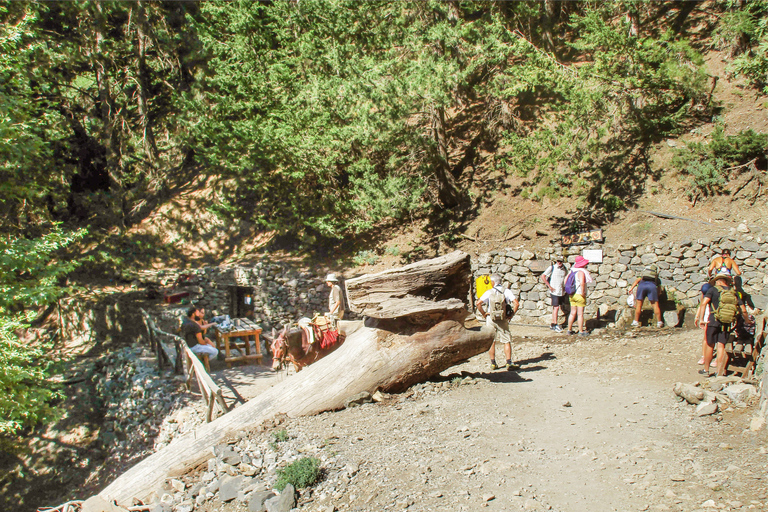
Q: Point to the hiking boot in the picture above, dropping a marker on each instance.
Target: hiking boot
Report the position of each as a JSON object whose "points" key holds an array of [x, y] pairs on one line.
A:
{"points": [[584, 333], [493, 365], [635, 323], [659, 324], [511, 367], [570, 333], [557, 328]]}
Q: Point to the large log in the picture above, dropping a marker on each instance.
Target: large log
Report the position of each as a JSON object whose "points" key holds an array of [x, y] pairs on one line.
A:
{"points": [[387, 354], [422, 291]]}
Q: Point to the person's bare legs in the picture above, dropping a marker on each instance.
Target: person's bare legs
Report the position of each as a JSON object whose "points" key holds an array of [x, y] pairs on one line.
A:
{"points": [[555, 309], [580, 314], [657, 310], [638, 308], [572, 317], [707, 355], [722, 359]]}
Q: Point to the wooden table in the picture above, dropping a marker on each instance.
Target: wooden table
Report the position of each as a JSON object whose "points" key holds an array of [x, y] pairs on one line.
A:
{"points": [[244, 329]]}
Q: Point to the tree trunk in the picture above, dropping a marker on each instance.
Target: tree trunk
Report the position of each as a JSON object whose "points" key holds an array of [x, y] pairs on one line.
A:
{"points": [[371, 359], [548, 19], [447, 191], [422, 290], [142, 26]]}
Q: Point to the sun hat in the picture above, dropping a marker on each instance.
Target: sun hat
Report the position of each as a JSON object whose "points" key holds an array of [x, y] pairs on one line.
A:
{"points": [[630, 300], [581, 262], [331, 278], [722, 274]]}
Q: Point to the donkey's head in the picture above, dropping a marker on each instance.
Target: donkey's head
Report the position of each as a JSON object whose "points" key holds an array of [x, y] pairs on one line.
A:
{"points": [[279, 348]]}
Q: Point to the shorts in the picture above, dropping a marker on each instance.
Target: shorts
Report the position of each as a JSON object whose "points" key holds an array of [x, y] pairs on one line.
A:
{"points": [[716, 334], [578, 300], [558, 300], [502, 330], [647, 289]]}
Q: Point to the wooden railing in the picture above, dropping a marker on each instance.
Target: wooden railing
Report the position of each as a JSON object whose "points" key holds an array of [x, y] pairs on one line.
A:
{"points": [[180, 352]]}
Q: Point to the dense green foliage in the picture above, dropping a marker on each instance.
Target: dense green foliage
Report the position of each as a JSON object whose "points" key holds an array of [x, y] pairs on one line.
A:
{"points": [[709, 163], [743, 32], [29, 280], [331, 117]]}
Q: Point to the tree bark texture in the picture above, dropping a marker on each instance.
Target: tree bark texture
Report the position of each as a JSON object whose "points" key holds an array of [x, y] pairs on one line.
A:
{"points": [[447, 191], [424, 291], [370, 359]]}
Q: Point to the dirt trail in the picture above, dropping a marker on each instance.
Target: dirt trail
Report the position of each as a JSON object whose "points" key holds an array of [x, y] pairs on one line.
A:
{"points": [[589, 425]]}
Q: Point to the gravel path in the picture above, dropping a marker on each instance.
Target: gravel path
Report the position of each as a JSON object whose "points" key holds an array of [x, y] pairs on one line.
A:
{"points": [[589, 425]]}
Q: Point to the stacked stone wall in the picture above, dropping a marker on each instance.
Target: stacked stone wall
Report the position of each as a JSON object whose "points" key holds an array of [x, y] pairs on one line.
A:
{"points": [[682, 270], [281, 293]]}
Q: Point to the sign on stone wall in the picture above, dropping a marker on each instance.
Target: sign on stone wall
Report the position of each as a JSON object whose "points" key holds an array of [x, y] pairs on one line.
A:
{"points": [[593, 255], [583, 238]]}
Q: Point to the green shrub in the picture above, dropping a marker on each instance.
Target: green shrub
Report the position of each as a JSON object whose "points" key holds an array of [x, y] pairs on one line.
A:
{"points": [[280, 435], [365, 258], [300, 473], [708, 163]]}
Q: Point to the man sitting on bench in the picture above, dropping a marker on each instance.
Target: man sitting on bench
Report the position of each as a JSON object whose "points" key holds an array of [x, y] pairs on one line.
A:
{"points": [[192, 332]]}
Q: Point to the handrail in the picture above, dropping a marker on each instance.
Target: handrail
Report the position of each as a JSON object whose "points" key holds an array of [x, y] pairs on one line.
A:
{"points": [[212, 393]]}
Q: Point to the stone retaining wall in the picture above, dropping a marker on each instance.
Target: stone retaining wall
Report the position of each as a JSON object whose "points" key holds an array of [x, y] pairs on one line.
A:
{"points": [[682, 270], [281, 293]]}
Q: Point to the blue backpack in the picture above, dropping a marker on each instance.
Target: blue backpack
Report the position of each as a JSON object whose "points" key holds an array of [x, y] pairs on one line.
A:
{"points": [[570, 283]]}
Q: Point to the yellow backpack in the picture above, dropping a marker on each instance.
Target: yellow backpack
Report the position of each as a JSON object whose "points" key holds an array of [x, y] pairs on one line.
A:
{"points": [[482, 285]]}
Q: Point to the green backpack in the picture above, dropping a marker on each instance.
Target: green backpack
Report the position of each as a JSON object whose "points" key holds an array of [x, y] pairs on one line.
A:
{"points": [[497, 304], [728, 308]]}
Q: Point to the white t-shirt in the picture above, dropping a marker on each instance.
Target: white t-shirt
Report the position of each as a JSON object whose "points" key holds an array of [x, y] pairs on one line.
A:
{"points": [[508, 294], [556, 277]]}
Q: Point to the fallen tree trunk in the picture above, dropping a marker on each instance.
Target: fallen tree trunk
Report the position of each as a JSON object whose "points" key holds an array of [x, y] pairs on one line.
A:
{"points": [[388, 354], [423, 291]]}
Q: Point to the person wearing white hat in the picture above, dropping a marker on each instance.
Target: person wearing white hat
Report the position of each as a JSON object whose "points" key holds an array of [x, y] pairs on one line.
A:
{"points": [[335, 302]]}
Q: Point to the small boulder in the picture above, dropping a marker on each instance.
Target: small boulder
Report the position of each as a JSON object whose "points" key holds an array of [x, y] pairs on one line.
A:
{"points": [[358, 399], [230, 486], [740, 392], [258, 498], [283, 503], [706, 408]]}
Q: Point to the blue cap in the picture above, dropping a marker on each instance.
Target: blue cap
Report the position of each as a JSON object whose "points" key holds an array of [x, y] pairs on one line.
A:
{"points": [[705, 287]]}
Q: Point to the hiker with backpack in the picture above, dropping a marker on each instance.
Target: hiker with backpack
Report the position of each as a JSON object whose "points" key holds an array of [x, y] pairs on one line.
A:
{"points": [[647, 287], [723, 263], [497, 305], [576, 289], [554, 279], [726, 305]]}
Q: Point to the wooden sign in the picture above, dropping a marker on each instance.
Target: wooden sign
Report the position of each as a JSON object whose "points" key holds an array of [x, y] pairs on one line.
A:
{"points": [[583, 238]]}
